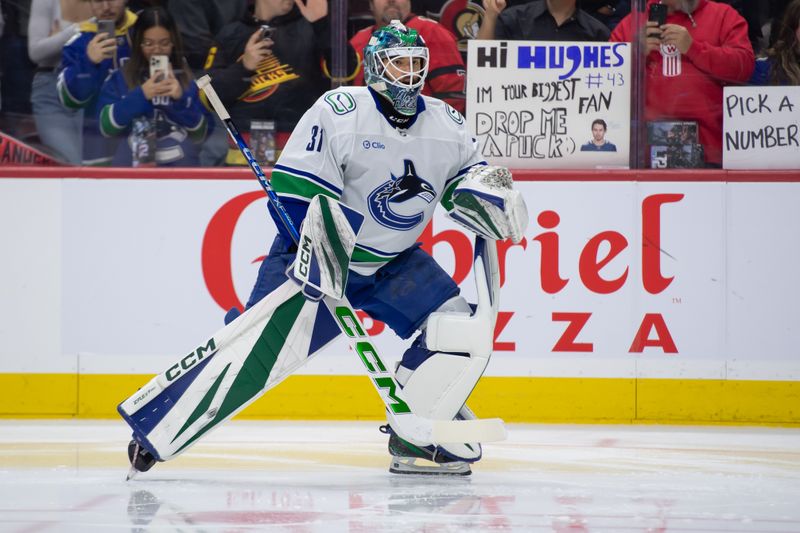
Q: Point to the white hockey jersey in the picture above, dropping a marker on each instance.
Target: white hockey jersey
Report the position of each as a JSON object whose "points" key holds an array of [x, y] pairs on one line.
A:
{"points": [[344, 147]]}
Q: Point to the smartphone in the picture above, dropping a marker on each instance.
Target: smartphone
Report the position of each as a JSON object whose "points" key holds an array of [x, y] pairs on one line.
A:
{"points": [[658, 13], [108, 27], [159, 67], [267, 31]]}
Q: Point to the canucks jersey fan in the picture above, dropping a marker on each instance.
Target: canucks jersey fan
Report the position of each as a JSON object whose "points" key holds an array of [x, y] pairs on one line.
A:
{"points": [[86, 61], [391, 154]]}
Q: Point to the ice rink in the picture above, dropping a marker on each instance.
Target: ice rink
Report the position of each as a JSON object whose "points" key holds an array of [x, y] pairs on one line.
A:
{"points": [[332, 477]]}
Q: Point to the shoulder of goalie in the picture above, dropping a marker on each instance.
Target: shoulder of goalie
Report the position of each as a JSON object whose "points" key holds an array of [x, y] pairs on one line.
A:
{"points": [[327, 239], [485, 202]]}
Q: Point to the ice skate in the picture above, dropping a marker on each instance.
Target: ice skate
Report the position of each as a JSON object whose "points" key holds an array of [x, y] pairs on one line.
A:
{"points": [[141, 460], [410, 459]]}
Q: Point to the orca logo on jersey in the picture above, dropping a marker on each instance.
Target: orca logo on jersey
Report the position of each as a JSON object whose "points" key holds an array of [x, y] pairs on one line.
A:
{"points": [[398, 190], [455, 115]]}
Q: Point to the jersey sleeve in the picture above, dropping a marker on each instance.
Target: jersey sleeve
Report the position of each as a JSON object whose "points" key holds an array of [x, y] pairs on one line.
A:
{"points": [[79, 79], [310, 164], [120, 105], [470, 156]]}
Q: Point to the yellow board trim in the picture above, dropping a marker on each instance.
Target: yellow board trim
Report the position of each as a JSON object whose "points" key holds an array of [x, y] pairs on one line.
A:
{"points": [[515, 399]]}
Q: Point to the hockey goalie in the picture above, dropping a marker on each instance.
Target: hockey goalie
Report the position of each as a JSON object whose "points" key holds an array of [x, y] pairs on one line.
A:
{"points": [[360, 177]]}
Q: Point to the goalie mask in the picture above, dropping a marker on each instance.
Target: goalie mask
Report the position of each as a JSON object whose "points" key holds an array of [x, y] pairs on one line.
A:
{"points": [[395, 65]]}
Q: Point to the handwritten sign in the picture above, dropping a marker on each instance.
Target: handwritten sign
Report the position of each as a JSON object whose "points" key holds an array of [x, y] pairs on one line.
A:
{"points": [[761, 128], [544, 104]]}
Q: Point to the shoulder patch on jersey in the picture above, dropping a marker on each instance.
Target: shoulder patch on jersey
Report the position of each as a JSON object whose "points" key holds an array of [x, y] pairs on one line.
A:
{"points": [[455, 115], [341, 102]]}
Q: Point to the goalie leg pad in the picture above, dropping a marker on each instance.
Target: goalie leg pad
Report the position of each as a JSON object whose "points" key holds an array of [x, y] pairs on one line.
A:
{"points": [[438, 389], [237, 365], [441, 368]]}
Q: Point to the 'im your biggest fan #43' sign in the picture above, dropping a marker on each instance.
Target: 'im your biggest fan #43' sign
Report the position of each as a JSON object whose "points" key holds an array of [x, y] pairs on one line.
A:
{"points": [[541, 104]]}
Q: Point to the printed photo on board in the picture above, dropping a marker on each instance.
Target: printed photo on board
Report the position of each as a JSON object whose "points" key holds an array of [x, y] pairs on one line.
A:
{"points": [[598, 143]]}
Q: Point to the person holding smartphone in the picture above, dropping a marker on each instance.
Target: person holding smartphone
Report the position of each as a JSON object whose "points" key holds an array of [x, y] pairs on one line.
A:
{"points": [[547, 20], [154, 95], [273, 75], [694, 48], [101, 45]]}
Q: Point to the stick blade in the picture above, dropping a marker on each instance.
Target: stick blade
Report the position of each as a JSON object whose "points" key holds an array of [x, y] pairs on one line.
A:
{"points": [[478, 430]]}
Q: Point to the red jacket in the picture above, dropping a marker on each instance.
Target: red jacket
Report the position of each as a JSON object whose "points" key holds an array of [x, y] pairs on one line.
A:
{"points": [[445, 67], [689, 86]]}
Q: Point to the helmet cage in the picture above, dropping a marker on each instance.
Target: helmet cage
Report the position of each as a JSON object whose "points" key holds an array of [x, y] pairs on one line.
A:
{"points": [[396, 64], [405, 68]]}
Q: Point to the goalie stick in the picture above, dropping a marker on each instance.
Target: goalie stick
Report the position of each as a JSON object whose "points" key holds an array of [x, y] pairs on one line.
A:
{"points": [[406, 423]]}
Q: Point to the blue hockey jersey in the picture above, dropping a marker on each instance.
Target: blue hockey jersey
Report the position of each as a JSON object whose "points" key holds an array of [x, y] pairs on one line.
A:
{"points": [[180, 124], [80, 80]]}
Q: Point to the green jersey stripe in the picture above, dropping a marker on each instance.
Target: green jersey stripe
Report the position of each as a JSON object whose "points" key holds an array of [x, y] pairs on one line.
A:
{"points": [[284, 183], [363, 256], [108, 127]]}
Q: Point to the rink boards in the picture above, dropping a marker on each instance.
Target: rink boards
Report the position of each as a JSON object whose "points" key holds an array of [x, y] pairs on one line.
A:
{"points": [[635, 296]]}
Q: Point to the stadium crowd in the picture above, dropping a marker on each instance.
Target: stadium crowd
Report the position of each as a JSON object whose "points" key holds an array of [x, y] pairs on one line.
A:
{"points": [[111, 82]]}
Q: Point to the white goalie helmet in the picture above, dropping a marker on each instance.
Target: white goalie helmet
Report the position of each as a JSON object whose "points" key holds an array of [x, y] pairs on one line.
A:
{"points": [[396, 64]]}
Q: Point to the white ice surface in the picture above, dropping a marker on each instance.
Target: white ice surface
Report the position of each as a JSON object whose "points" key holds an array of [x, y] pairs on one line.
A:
{"points": [[307, 477]]}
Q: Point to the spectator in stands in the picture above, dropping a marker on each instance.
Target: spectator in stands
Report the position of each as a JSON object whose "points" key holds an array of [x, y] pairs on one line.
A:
{"points": [[199, 21], [781, 66], [771, 29], [51, 25], [598, 143], [159, 111], [446, 71], [276, 77], [86, 61], [702, 47], [750, 11], [138, 5], [2, 26], [542, 20], [17, 70], [609, 12]]}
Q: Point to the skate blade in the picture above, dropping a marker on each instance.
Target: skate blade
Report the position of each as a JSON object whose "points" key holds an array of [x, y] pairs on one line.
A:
{"points": [[132, 473], [422, 467]]}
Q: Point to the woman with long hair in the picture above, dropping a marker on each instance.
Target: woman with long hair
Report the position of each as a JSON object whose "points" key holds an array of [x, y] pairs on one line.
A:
{"points": [[159, 110], [782, 64]]}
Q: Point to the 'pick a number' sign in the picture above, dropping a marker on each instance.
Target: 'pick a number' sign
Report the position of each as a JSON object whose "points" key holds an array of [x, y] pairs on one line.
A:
{"points": [[761, 128], [543, 104]]}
